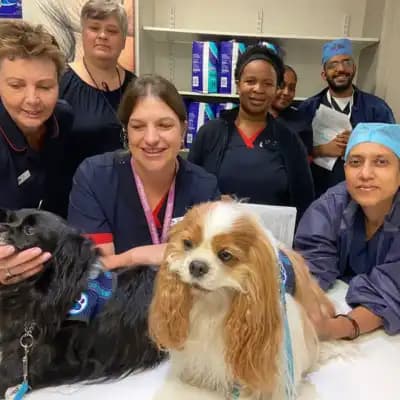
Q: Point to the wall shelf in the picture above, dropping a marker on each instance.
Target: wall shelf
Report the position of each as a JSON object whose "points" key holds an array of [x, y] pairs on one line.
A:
{"points": [[161, 34], [215, 96]]}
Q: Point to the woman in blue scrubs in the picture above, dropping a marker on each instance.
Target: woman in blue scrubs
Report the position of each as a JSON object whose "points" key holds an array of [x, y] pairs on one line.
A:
{"points": [[254, 156], [127, 200], [352, 233], [33, 131]]}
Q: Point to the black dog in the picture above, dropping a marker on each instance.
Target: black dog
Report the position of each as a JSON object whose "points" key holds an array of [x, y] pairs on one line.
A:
{"points": [[110, 344]]}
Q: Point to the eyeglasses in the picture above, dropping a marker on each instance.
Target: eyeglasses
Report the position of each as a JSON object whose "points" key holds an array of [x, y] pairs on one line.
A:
{"points": [[335, 64]]}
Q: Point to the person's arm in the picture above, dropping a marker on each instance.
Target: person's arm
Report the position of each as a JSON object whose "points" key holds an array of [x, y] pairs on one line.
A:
{"points": [[17, 266], [316, 240], [347, 326], [141, 255], [379, 291]]}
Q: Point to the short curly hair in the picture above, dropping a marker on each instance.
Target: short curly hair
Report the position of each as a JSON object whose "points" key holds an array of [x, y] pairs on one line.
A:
{"points": [[20, 39], [260, 52]]}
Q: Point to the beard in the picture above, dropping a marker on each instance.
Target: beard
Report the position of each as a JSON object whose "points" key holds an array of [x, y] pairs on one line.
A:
{"points": [[342, 86]]}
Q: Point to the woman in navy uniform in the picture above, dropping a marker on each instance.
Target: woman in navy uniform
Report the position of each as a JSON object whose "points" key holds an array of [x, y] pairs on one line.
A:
{"points": [[126, 200], [254, 156], [33, 131]]}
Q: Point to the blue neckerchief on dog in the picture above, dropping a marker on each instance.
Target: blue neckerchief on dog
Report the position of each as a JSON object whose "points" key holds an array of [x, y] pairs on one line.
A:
{"points": [[288, 272], [101, 286]]}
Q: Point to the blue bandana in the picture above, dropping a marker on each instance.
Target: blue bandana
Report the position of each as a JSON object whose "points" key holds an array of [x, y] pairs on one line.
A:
{"points": [[336, 47], [101, 286]]}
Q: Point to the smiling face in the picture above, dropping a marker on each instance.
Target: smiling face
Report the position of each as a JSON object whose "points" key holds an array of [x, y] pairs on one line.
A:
{"points": [[102, 38], [29, 91], [154, 134], [257, 87], [339, 73], [285, 94], [372, 175]]}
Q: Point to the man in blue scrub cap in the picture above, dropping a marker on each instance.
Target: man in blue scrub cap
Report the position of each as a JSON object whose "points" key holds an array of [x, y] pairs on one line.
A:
{"points": [[352, 233], [338, 70]]}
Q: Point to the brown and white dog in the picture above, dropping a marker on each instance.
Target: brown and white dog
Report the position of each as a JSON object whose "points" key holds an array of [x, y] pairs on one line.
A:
{"points": [[217, 309]]}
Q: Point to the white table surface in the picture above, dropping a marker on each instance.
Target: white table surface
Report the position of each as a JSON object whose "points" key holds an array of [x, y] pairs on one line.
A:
{"points": [[370, 372]]}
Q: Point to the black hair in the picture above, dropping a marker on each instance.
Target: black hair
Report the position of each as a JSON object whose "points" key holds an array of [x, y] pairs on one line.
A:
{"points": [[289, 68], [260, 52]]}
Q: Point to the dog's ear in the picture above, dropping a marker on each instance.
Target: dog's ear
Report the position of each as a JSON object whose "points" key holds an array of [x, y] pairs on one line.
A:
{"points": [[253, 330], [69, 266], [169, 310]]}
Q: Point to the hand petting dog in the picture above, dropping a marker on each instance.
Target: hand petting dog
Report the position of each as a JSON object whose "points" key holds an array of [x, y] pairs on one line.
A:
{"points": [[17, 266]]}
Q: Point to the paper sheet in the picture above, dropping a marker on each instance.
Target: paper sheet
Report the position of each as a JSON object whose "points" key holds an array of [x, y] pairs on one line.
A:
{"points": [[326, 124], [279, 220]]}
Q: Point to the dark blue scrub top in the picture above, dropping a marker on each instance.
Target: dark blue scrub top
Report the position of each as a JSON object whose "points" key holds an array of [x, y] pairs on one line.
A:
{"points": [[256, 175], [105, 204], [96, 128], [297, 123], [28, 177]]}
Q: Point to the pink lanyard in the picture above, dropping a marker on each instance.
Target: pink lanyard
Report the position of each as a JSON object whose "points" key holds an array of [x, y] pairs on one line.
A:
{"points": [[148, 213]]}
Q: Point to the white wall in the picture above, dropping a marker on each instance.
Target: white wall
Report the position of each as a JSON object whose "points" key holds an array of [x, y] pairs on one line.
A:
{"points": [[388, 82]]}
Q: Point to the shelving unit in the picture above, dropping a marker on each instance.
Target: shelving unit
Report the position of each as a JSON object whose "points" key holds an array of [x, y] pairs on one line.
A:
{"points": [[165, 30], [162, 34]]}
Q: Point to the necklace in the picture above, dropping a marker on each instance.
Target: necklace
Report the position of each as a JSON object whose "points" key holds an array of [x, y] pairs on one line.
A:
{"points": [[109, 105]]}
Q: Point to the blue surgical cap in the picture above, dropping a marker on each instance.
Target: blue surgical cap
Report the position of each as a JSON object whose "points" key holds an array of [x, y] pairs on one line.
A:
{"points": [[336, 47], [387, 135]]}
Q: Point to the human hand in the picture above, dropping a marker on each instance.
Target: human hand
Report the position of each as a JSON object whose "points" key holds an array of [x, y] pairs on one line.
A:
{"points": [[17, 266], [342, 138], [149, 255], [334, 148]]}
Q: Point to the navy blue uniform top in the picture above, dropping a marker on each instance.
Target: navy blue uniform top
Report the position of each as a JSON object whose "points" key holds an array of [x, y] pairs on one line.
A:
{"points": [[96, 128], [28, 177], [243, 170], [105, 204], [287, 181], [297, 123]]}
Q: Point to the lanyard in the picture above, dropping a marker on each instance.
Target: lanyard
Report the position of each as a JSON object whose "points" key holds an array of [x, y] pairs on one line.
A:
{"points": [[349, 106], [148, 213]]}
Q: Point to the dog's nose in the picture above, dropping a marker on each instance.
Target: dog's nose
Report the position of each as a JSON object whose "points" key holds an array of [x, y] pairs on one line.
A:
{"points": [[198, 268]]}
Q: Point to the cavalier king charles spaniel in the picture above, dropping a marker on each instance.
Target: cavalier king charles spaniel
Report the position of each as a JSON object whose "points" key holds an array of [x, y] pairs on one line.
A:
{"points": [[218, 308], [86, 323]]}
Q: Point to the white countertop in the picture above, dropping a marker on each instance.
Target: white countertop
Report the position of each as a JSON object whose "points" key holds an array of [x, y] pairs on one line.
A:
{"points": [[370, 372]]}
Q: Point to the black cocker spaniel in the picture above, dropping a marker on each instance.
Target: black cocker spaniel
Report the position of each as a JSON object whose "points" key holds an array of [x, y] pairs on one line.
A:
{"points": [[86, 323]]}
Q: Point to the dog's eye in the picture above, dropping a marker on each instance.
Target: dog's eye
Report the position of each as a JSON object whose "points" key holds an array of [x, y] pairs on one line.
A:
{"points": [[187, 244], [29, 230], [224, 255]]}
